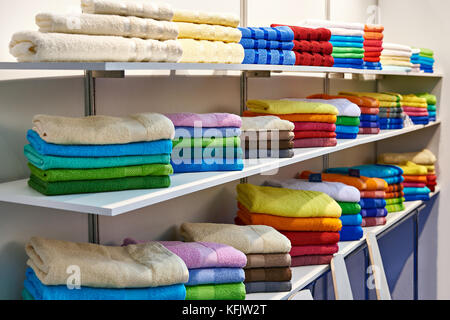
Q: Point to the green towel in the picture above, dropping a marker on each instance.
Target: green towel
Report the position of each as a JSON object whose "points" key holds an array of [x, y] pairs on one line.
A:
{"points": [[431, 98], [233, 291], [426, 52], [347, 50], [350, 208], [348, 121], [96, 186], [348, 55], [26, 295], [55, 175], [395, 201], [233, 142], [50, 162], [395, 208]]}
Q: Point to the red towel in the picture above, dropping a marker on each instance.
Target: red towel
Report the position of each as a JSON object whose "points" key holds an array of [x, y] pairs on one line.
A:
{"points": [[413, 109], [311, 238], [372, 222], [373, 49], [324, 249], [315, 59], [417, 114], [369, 130], [373, 194], [414, 185], [371, 59], [315, 142], [373, 111], [300, 33], [431, 177], [373, 43], [323, 47], [314, 134], [314, 126], [311, 260], [372, 54]]}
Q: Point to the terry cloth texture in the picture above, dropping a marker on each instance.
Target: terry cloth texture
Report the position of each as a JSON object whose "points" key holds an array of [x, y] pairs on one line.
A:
{"points": [[261, 287], [311, 260], [268, 274], [229, 291], [255, 261]]}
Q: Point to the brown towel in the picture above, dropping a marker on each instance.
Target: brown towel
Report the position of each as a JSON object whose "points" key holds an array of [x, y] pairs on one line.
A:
{"points": [[255, 261], [282, 145], [268, 135], [268, 275]]}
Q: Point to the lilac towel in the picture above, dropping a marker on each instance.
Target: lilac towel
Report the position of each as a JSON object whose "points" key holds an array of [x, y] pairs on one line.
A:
{"points": [[201, 255], [209, 120], [315, 142]]}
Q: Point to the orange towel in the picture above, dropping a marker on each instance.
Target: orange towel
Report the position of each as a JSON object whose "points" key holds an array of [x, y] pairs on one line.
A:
{"points": [[327, 118], [395, 188], [364, 102], [420, 179], [373, 194], [394, 195], [373, 28], [361, 183], [373, 36], [291, 224]]}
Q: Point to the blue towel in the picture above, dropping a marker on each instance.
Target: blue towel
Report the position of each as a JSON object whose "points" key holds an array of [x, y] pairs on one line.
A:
{"points": [[351, 233], [369, 118], [420, 120], [264, 44], [351, 220], [372, 68], [116, 150], [369, 124], [42, 292], [426, 60], [189, 132], [349, 66], [417, 197], [369, 203], [346, 136], [374, 213], [348, 61], [371, 171], [182, 154], [347, 129], [237, 165], [391, 126], [215, 276], [347, 39], [394, 180], [274, 57], [373, 64], [281, 33], [416, 191], [347, 44]]}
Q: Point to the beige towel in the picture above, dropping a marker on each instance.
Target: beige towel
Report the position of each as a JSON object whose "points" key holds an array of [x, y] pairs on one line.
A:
{"points": [[266, 123], [424, 157], [135, 266], [248, 239], [202, 51], [223, 19], [147, 9], [102, 130], [34, 46], [107, 25], [208, 32]]}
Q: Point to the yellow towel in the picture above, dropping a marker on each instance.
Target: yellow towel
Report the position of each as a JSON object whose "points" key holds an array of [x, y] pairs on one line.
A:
{"points": [[392, 62], [208, 32], [414, 98], [290, 107], [223, 19], [424, 157], [395, 58], [202, 51], [388, 104], [379, 96], [414, 105], [412, 169], [287, 202]]}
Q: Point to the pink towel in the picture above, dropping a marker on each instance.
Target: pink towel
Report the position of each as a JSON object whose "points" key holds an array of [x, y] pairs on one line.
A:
{"points": [[414, 185], [372, 222], [202, 255], [369, 130], [314, 126], [210, 120], [311, 260], [417, 114], [325, 249], [315, 143]]}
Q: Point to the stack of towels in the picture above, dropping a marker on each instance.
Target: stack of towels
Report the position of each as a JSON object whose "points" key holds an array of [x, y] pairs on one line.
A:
{"points": [[295, 211], [347, 40], [314, 122], [267, 251], [107, 30], [208, 37], [426, 60], [373, 46], [267, 137], [206, 142], [347, 197], [415, 182], [416, 108], [311, 46], [268, 45], [99, 154], [215, 270], [415, 60], [431, 102], [396, 57], [137, 272]]}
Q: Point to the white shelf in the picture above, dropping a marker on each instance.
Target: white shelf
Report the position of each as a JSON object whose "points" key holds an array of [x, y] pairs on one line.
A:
{"points": [[116, 203], [123, 66], [303, 276]]}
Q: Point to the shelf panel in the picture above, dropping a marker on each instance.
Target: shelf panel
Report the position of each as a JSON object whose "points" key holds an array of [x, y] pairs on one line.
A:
{"points": [[116, 203], [303, 276], [123, 66]]}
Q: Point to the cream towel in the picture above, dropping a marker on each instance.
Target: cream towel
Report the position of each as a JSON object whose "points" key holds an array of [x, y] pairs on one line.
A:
{"points": [[392, 62], [208, 32], [266, 123], [147, 9], [34, 46], [396, 53], [424, 157], [223, 19], [248, 239], [107, 25], [396, 47], [202, 51], [135, 266], [102, 130], [317, 23]]}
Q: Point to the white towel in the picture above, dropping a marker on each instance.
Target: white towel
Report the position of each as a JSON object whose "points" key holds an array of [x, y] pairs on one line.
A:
{"points": [[415, 51], [396, 47], [148, 9], [202, 51], [34, 46], [345, 32], [266, 123], [396, 53], [107, 25], [345, 107], [337, 191], [317, 23], [223, 19], [208, 32]]}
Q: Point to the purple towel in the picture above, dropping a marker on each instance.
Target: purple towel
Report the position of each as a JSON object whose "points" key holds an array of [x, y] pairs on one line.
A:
{"points": [[201, 255], [209, 120]]}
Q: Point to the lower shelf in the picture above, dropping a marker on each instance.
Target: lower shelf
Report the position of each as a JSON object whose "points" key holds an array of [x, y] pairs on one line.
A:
{"points": [[303, 276]]}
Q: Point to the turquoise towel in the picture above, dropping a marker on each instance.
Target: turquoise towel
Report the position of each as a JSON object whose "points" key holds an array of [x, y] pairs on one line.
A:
{"points": [[234, 165], [351, 220], [372, 171], [416, 191]]}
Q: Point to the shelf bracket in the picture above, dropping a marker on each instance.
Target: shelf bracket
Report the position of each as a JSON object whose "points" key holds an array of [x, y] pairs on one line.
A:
{"points": [[108, 74], [341, 281], [377, 269]]}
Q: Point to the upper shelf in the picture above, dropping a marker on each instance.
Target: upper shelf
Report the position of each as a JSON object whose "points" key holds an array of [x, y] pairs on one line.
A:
{"points": [[124, 66]]}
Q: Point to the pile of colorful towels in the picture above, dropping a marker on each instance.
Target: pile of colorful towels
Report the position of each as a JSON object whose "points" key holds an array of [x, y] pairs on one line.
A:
{"points": [[416, 108], [268, 261], [373, 46], [396, 57], [314, 122], [426, 60], [431, 102], [267, 45], [206, 142], [415, 57], [267, 137], [99, 154]]}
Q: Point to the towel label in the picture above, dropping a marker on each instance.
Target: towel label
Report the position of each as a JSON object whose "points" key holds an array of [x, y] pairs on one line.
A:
{"points": [[354, 173], [315, 177]]}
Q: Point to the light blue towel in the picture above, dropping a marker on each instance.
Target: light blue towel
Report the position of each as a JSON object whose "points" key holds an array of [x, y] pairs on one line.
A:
{"points": [[371, 171], [347, 129], [267, 33], [42, 292], [264, 44], [181, 154], [189, 132], [83, 151], [215, 276], [233, 165], [351, 220], [273, 57], [346, 44], [347, 39], [416, 191]]}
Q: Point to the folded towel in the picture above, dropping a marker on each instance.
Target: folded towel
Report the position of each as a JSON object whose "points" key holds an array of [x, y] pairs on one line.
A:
{"points": [[160, 11], [367, 203], [347, 56], [233, 291], [394, 201], [313, 59], [38, 291], [262, 154], [286, 202], [351, 220], [350, 208], [380, 96], [373, 28], [395, 207], [314, 134], [280, 33], [323, 47], [215, 276], [266, 44], [34, 46], [196, 155], [347, 39], [209, 120], [255, 261], [345, 108], [371, 171], [373, 36], [311, 238], [96, 186], [325, 118], [431, 99], [351, 130], [267, 135], [351, 233], [204, 51], [345, 32], [362, 102], [192, 132], [314, 126], [395, 188], [107, 25], [375, 212], [393, 195], [201, 17], [374, 124], [266, 123], [209, 165], [373, 194], [103, 130], [232, 142], [268, 275], [348, 50], [274, 57], [311, 260], [208, 32], [361, 183], [135, 266], [344, 44], [417, 197], [350, 66], [315, 143], [420, 179], [369, 118], [369, 130], [416, 191], [268, 144], [248, 239], [262, 287], [324, 249], [334, 24], [283, 107], [348, 61], [373, 222]]}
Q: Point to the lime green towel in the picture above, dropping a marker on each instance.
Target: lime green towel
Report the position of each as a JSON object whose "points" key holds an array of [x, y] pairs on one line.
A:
{"points": [[290, 107], [431, 98], [233, 291], [96, 186], [395, 201], [287, 202], [55, 175], [348, 50], [348, 55], [426, 52], [26, 295], [395, 208], [350, 208], [232, 142], [348, 121]]}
